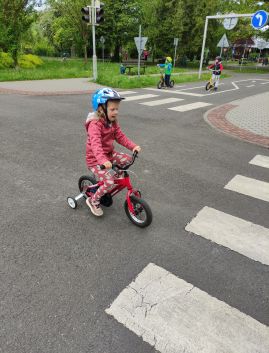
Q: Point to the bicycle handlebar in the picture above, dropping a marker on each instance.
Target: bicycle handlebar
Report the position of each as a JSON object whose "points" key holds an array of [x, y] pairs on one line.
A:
{"points": [[134, 156]]}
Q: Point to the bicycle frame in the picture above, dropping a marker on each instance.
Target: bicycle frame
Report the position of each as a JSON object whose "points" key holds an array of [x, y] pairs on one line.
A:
{"points": [[120, 184]]}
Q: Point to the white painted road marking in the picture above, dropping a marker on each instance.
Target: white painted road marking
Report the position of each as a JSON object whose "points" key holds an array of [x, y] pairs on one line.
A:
{"points": [[171, 91], [244, 237], [250, 86], [173, 316], [248, 186], [264, 83], [162, 101], [191, 106], [261, 161], [122, 93], [142, 96]]}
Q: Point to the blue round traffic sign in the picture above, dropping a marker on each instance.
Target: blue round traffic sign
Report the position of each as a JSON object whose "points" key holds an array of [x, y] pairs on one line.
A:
{"points": [[259, 19]]}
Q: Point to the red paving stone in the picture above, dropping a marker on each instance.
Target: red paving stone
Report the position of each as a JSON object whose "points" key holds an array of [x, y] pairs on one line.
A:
{"points": [[217, 118]]}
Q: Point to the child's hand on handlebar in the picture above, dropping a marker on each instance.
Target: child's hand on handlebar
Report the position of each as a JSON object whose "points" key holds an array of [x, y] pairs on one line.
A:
{"points": [[137, 149], [108, 165]]}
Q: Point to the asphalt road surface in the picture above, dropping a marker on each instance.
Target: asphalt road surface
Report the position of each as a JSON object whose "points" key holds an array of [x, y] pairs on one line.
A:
{"points": [[61, 269]]}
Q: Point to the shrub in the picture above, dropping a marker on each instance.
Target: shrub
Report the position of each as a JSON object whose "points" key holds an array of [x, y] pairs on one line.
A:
{"points": [[5, 60], [29, 61]]}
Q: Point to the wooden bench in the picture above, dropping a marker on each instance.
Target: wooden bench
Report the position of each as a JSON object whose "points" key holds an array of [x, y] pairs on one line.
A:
{"points": [[133, 63]]}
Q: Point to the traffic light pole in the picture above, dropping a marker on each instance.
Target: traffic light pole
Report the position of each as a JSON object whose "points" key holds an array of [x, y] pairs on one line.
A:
{"points": [[94, 57]]}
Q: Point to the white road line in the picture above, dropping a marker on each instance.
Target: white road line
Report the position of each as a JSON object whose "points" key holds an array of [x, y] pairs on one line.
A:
{"points": [[244, 237], [162, 101], [173, 316], [229, 90], [249, 79], [126, 92], [261, 161], [250, 86], [171, 91], [187, 89], [142, 96], [264, 83], [191, 106], [248, 186], [190, 94]]}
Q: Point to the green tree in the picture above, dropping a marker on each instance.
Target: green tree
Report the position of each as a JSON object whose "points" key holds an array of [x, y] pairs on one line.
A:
{"points": [[16, 17]]}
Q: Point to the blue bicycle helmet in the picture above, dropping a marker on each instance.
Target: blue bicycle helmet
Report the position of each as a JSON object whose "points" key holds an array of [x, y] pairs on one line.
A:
{"points": [[103, 95]]}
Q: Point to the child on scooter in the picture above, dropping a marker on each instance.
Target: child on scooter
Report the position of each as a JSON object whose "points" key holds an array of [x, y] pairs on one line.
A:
{"points": [[168, 70]]}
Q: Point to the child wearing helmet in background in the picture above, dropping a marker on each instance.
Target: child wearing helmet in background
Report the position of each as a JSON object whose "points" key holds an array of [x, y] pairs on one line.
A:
{"points": [[168, 69], [217, 68], [102, 130]]}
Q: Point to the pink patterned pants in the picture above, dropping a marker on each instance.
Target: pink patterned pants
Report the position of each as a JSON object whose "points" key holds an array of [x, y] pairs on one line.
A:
{"points": [[118, 158]]}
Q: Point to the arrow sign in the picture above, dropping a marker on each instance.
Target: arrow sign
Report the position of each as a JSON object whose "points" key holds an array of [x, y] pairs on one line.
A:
{"points": [[223, 43], [259, 19], [141, 46]]}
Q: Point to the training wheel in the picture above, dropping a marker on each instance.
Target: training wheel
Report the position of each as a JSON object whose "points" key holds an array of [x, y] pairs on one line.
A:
{"points": [[72, 202]]}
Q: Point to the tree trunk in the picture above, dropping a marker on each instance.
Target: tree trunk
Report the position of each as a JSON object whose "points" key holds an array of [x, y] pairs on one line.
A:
{"points": [[85, 54], [116, 56]]}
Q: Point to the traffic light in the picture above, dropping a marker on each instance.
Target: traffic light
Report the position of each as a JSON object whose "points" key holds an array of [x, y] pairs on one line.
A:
{"points": [[100, 14], [86, 11]]}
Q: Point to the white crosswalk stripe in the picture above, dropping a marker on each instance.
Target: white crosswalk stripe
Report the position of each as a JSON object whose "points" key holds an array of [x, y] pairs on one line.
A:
{"points": [[244, 237], [141, 96], [162, 101], [123, 93], [250, 187], [191, 106], [261, 161], [176, 92], [173, 316]]}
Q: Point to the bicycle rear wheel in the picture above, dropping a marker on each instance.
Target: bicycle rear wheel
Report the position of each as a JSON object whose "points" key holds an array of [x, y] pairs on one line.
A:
{"points": [[159, 85], [172, 82]]}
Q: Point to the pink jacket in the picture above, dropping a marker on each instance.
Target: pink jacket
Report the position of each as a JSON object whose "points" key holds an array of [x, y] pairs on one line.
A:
{"points": [[100, 140]]}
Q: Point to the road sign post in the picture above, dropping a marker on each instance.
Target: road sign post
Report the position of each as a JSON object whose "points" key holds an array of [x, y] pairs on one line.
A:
{"points": [[140, 43], [175, 44], [223, 43]]}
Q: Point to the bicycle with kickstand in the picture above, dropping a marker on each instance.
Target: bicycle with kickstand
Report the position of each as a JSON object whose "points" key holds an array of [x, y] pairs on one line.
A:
{"points": [[136, 209]]}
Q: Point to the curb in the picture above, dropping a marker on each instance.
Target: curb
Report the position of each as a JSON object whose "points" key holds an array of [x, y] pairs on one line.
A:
{"points": [[45, 93], [216, 117]]}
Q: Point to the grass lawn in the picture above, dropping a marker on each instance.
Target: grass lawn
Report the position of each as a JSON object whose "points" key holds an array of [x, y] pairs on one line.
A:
{"points": [[108, 73]]}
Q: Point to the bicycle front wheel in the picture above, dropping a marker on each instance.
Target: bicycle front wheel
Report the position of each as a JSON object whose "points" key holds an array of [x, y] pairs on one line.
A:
{"points": [[208, 86], [142, 215], [159, 85], [172, 82]]}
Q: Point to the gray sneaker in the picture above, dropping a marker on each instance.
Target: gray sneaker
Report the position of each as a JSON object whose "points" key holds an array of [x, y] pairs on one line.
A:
{"points": [[95, 207]]}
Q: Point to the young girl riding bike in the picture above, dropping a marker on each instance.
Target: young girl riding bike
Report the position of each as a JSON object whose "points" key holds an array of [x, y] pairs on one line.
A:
{"points": [[102, 130]]}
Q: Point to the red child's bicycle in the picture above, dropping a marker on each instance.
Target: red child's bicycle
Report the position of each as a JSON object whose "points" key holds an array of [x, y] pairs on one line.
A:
{"points": [[137, 209]]}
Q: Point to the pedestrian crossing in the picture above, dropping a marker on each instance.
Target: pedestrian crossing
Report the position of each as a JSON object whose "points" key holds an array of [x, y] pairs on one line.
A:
{"points": [[132, 96], [173, 315]]}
